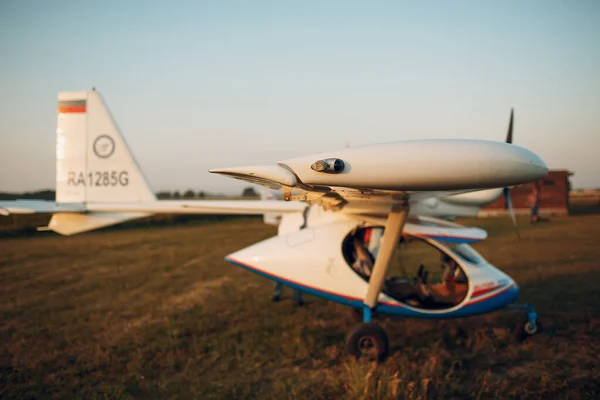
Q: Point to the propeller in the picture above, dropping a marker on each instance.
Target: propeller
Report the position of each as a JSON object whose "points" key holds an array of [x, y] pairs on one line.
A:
{"points": [[509, 135], [510, 209], [506, 190]]}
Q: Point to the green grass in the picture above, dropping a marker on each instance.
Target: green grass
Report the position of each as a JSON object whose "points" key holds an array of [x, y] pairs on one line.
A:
{"points": [[157, 313]]}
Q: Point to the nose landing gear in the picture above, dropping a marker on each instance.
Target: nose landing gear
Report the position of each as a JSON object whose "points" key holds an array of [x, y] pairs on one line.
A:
{"points": [[528, 325]]}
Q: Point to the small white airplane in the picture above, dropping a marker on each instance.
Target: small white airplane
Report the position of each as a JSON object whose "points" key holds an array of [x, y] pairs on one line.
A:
{"points": [[355, 209]]}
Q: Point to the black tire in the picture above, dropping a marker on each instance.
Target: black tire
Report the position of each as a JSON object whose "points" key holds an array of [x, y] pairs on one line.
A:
{"points": [[523, 329], [531, 330], [368, 342]]}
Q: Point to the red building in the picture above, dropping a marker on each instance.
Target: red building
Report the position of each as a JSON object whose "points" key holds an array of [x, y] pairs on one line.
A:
{"points": [[554, 191]]}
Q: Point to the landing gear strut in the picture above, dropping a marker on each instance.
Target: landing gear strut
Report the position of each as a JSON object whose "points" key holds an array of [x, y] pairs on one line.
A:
{"points": [[369, 340], [357, 314]]}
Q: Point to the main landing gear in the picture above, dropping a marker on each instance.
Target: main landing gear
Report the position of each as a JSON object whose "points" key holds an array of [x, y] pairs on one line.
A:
{"points": [[368, 342]]}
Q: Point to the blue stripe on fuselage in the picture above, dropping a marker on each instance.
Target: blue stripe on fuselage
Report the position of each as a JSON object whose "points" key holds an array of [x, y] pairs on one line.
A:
{"points": [[451, 239], [493, 303]]}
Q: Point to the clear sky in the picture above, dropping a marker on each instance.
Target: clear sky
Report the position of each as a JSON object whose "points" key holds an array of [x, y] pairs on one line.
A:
{"points": [[208, 84]]}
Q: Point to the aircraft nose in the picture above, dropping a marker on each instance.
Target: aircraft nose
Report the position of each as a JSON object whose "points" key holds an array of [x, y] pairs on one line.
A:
{"points": [[513, 292]]}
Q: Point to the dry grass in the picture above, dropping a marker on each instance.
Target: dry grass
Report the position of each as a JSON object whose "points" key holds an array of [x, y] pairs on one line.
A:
{"points": [[157, 313]]}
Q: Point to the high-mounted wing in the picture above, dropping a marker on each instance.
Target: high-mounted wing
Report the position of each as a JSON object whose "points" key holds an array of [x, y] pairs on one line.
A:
{"points": [[373, 179]]}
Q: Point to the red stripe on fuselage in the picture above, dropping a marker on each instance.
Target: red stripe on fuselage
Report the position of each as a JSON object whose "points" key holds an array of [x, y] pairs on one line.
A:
{"points": [[489, 297], [481, 292], [362, 300]]}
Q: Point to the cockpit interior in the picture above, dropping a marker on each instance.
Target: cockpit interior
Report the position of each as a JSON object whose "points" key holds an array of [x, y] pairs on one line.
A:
{"points": [[421, 275]]}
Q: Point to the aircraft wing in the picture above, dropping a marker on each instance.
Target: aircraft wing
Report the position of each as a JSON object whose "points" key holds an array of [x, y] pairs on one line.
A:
{"points": [[353, 201], [74, 218], [376, 178], [243, 207]]}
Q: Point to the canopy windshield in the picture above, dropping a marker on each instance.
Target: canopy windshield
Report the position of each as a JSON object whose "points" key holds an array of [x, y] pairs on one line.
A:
{"points": [[421, 274]]}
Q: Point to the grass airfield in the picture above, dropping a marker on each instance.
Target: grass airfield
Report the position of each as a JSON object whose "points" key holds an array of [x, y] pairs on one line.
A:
{"points": [[157, 313]]}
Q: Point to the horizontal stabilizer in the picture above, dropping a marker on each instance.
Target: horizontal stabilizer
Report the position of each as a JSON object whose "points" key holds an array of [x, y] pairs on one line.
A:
{"points": [[71, 224], [37, 207]]}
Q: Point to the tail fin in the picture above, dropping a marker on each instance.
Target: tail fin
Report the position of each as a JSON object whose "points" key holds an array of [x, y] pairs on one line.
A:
{"points": [[93, 164], [270, 218], [93, 161]]}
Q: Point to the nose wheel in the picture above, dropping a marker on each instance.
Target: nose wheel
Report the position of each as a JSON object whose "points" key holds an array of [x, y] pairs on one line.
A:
{"points": [[368, 342], [528, 325]]}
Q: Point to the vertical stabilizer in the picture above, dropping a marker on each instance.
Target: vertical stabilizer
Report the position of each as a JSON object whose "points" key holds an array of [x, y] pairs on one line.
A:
{"points": [[93, 161]]}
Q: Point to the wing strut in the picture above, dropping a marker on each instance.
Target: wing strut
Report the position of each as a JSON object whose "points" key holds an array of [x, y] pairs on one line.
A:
{"points": [[389, 242]]}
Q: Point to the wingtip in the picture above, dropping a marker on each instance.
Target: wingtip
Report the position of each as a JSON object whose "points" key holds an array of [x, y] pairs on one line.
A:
{"points": [[260, 173], [219, 170]]}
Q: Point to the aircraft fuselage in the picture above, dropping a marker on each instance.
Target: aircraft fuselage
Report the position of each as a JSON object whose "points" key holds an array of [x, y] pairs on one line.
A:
{"points": [[312, 259]]}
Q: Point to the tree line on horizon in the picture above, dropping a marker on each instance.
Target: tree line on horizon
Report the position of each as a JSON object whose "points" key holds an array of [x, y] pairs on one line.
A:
{"points": [[190, 194]]}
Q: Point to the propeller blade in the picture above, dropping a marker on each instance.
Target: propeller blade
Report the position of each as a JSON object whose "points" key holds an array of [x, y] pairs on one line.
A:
{"points": [[509, 139], [509, 135], [510, 209]]}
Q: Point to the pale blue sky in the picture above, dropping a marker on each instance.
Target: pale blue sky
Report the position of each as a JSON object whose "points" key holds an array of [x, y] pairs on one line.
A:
{"points": [[199, 85]]}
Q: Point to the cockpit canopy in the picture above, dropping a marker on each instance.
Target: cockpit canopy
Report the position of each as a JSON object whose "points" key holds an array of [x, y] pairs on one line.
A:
{"points": [[423, 273]]}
